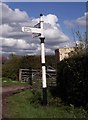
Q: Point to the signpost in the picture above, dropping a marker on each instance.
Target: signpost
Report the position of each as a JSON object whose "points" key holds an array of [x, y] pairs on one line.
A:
{"points": [[31, 29], [39, 30]]}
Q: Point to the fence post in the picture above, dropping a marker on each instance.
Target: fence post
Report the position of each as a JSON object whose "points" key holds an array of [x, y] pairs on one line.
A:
{"points": [[20, 72], [30, 76]]}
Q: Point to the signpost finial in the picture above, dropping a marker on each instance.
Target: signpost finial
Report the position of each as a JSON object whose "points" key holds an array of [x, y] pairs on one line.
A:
{"points": [[41, 14]]}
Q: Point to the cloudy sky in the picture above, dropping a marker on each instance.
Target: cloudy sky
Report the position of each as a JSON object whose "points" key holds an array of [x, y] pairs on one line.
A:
{"points": [[59, 21]]}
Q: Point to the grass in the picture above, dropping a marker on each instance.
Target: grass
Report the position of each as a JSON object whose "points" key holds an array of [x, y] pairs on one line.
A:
{"points": [[19, 106], [9, 82]]}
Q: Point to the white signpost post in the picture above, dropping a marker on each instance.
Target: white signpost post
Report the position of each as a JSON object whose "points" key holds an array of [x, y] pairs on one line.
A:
{"points": [[39, 30]]}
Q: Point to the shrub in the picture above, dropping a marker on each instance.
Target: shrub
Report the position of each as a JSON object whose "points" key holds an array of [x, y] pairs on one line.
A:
{"points": [[55, 101], [72, 80]]}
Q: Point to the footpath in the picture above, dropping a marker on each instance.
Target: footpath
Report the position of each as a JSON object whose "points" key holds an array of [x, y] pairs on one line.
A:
{"points": [[8, 91]]}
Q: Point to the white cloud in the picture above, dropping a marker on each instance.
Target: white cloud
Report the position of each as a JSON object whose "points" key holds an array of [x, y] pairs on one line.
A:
{"points": [[10, 42], [49, 51], [19, 46], [51, 33], [22, 43], [82, 21], [69, 23], [51, 19], [5, 28], [9, 15]]}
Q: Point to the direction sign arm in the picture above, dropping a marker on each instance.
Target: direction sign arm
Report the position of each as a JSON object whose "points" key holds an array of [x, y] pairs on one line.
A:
{"points": [[31, 29]]}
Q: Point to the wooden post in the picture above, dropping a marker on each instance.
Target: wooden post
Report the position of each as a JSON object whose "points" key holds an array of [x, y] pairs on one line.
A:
{"points": [[20, 72], [30, 76]]}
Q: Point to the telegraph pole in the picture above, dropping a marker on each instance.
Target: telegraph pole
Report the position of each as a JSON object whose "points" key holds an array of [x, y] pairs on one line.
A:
{"points": [[44, 85]]}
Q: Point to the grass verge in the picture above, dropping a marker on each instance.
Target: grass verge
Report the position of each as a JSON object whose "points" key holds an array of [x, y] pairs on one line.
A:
{"points": [[19, 106], [9, 82]]}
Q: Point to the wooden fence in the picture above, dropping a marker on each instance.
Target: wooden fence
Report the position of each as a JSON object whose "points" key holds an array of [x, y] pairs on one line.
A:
{"points": [[32, 76]]}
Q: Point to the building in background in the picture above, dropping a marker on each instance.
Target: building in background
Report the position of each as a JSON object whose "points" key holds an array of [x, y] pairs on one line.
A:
{"points": [[63, 53]]}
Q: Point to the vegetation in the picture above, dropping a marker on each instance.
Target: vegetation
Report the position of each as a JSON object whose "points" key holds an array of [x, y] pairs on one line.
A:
{"points": [[24, 108], [72, 80], [67, 100], [72, 74], [10, 69], [9, 82]]}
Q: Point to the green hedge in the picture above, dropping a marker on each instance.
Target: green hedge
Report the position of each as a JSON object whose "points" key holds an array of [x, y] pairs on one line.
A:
{"points": [[72, 80]]}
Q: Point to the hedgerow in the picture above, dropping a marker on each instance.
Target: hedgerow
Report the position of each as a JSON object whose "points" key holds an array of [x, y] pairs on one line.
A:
{"points": [[72, 80]]}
